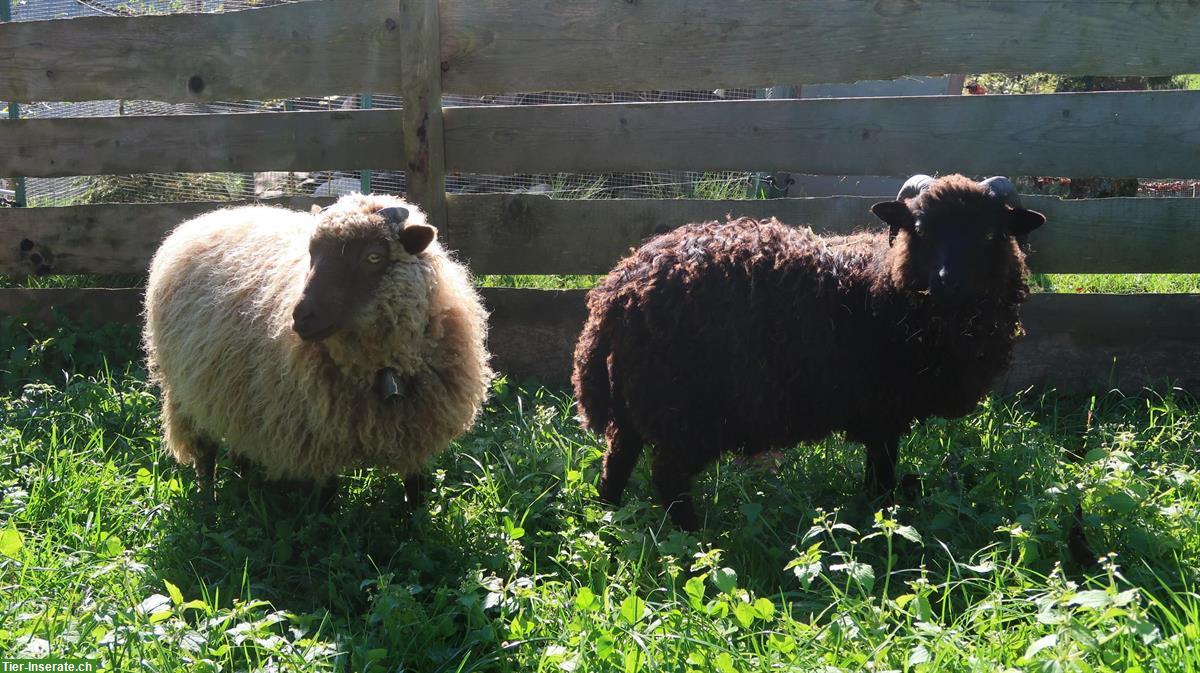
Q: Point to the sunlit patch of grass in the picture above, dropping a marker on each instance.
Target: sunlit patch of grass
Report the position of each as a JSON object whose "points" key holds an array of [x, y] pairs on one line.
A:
{"points": [[1118, 283]]}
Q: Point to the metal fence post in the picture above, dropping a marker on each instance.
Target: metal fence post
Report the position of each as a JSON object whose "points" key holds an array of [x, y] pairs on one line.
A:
{"points": [[364, 177]]}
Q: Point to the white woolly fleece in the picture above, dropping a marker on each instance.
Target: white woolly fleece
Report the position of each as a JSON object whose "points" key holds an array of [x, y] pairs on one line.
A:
{"points": [[220, 345]]}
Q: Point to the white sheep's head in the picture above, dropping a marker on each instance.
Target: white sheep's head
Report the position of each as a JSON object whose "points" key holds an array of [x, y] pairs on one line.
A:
{"points": [[352, 248]]}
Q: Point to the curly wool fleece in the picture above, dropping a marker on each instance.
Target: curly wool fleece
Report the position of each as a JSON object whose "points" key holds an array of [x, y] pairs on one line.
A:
{"points": [[220, 344]]}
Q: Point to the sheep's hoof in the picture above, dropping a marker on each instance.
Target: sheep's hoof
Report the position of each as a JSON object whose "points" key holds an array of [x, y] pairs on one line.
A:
{"points": [[327, 495], [608, 495], [416, 486], [684, 515], [910, 487], [1077, 543]]}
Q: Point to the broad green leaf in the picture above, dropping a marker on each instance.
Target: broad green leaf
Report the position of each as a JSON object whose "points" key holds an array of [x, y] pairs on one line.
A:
{"points": [[781, 643], [744, 614], [1093, 599], [724, 663], [725, 579], [605, 645], [807, 572], [633, 660], [1147, 631], [718, 609], [1041, 644], [862, 573], [694, 588], [174, 592], [585, 599], [512, 529], [1120, 502], [11, 542], [764, 608], [153, 604], [751, 511], [632, 609], [909, 533]]}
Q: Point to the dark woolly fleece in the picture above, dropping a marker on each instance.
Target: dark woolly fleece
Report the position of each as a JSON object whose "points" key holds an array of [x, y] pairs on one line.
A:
{"points": [[747, 335]]}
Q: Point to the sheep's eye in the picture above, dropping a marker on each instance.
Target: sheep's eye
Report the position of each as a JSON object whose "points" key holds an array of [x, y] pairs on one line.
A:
{"points": [[918, 228], [989, 235], [374, 258]]}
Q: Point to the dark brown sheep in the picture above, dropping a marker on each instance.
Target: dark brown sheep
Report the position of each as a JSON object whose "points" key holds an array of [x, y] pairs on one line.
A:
{"points": [[749, 335]]}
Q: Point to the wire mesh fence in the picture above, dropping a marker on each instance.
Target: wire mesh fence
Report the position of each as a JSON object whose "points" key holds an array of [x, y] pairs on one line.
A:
{"points": [[159, 187]]}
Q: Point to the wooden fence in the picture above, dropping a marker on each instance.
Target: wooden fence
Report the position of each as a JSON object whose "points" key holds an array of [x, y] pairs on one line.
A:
{"points": [[422, 48]]}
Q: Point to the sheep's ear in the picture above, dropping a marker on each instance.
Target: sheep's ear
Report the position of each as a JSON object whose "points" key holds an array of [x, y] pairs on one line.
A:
{"points": [[315, 209], [417, 237], [896, 214], [1022, 221]]}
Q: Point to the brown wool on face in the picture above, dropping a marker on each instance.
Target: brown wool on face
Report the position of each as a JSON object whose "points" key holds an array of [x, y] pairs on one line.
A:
{"points": [[342, 277], [956, 242]]}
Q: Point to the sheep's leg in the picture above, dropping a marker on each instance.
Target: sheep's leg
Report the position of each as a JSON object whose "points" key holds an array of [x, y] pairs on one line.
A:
{"points": [[206, 466], [187, 445], [882, 456], [673, 481], [624, 449], [416, 485], [327, 493]]}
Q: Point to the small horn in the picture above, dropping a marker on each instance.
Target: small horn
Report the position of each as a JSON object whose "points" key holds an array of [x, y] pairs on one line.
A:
{"points": [[1002, 189], [914, 186]]}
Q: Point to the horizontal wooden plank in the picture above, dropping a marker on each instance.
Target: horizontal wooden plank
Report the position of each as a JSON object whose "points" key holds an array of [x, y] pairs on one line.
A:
{"points": [[517, 45], [119, 305], [345, 140], [1122, 134], [305, 49], [102, 239], [522, 233], [316, 48], [1117, 134], [1075, 343]]}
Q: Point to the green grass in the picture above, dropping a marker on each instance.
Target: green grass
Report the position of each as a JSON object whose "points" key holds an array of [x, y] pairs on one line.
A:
{"points": [[106, 550], [1118, 283]]}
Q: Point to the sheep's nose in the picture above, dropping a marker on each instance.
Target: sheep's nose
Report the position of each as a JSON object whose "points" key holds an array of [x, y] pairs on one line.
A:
{"points": [[302, 315], [941, 282]]}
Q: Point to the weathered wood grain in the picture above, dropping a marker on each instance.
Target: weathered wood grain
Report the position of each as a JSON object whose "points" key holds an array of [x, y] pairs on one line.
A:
{"points": [[1119, 134], [518, 45], [305, 49], [345, 140], [105, 239], [119, 305], [515, 233], [521, 233], [1075, 343], [424, 142], [1123, 134]]}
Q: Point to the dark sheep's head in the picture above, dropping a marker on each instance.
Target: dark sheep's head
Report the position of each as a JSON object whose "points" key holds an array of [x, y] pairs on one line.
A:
{"points": [[349, 255], [951, 237]]}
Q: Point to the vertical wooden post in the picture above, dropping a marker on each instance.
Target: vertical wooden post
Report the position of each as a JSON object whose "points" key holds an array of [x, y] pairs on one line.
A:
{"points": [[14, 112], [421, 86]]}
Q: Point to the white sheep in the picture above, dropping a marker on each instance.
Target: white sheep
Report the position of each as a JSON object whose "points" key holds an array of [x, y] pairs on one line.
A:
{"points": [[314, 342]]}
